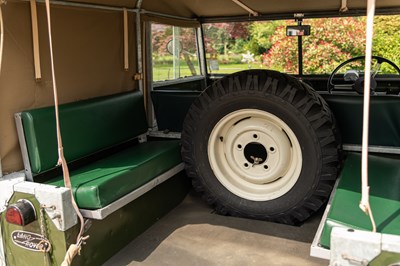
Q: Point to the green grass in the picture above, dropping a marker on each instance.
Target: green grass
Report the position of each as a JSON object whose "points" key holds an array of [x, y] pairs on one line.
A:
{"points": [[165, 72]]}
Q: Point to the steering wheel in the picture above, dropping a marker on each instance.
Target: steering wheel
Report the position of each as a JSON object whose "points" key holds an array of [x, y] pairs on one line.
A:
{"points": [[358, 81]]}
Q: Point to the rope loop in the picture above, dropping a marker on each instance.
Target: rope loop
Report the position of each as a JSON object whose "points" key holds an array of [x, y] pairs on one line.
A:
{"points": [[364, 204], [74, 249]]}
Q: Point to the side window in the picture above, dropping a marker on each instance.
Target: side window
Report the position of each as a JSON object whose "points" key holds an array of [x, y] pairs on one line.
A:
{"points": [[174, 52]]}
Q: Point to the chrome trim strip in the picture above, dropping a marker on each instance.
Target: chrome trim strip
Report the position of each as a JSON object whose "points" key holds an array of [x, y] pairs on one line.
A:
{"points": [[162, 134], [372, 148]]}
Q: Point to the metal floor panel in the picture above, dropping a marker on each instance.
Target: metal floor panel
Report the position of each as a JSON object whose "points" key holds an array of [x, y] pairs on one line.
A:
{"points": [[192, 234]]}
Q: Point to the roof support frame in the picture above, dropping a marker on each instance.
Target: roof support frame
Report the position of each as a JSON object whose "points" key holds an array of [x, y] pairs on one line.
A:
{"points": [[137, 9], [278, 16], [245, 7]]}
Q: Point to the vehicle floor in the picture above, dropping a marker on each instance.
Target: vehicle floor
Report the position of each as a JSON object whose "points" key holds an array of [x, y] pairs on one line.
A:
{"points": [[192, 234]]}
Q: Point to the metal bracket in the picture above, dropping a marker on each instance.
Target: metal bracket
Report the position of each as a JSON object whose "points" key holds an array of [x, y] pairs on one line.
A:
{"points": [[355, 247], [142, 138], [138, 76], [56, 201], [245, 7], [7, 184]]}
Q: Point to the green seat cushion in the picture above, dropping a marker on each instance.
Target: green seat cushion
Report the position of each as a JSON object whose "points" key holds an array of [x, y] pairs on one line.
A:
{"points": [[86, 126], [384, 182], [98, 184]]}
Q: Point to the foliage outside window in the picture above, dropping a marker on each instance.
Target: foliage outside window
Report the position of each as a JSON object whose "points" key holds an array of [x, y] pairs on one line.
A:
{"points": [[332, 41], [174, 52]]}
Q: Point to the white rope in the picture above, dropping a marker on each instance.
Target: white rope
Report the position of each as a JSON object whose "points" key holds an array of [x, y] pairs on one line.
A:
{"points": [[364, 204], [61, 158], [1, 33], [73, 250]]}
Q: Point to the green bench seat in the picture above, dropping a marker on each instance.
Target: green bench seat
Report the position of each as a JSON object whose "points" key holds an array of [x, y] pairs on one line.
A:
{"points": [[103, 138], [384, 182], [87, 127], [100, 183]]}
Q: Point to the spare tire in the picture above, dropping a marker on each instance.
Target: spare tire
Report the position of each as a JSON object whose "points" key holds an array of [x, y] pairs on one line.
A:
{"points": [[263, 145]]}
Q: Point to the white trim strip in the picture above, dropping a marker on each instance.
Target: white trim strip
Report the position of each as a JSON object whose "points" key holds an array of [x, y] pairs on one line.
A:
{"points": [[126, 40], [24, 148], [316, 249], [102, 213], [35, 40]]}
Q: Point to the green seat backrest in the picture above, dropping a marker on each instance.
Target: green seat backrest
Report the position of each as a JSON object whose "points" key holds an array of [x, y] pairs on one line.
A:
{"points": [[86, 126], [384, 125]]}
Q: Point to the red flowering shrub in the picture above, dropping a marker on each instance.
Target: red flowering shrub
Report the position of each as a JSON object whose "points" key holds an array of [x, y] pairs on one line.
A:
{"points": [[331, 42]]}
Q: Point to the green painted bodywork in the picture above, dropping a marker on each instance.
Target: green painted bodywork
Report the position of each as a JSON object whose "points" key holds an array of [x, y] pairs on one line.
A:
{"points": [[384, 122], [107, 236], [16, 255], [386, 258], [170, 107], [384, 182], [171, 104]]}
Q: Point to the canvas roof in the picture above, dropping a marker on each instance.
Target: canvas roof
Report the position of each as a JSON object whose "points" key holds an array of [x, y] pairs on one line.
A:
{"points": [[227, 8]]}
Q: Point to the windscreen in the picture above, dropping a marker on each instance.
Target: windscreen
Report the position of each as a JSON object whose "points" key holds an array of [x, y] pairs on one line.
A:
{"points": [[235, 46]]}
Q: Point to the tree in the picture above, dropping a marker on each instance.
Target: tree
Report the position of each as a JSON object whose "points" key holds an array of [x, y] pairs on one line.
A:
{"points": [[221, 37], [260, 36], [332, 41], [387, 39]]}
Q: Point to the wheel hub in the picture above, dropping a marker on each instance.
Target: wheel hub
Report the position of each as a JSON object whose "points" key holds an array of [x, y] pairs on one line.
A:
{"points": [[252, 155], [262, 156], [255, 153]]}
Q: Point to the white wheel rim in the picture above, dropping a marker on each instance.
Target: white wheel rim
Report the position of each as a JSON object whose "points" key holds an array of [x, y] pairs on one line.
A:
{"points": [[254, 154]]}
